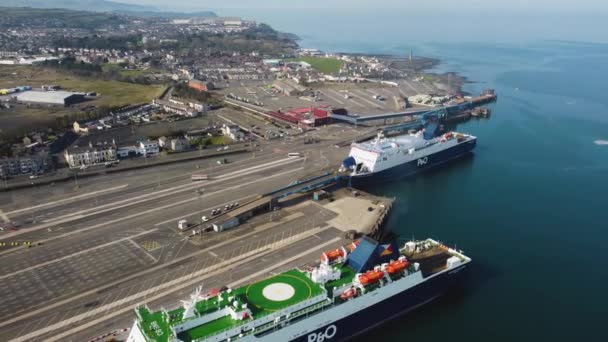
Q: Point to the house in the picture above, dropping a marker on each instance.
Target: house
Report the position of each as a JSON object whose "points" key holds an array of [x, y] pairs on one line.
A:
{"points": [[80, 127], [34, 164], [175, 107], [179, 145], [80, 157], [232, 131], [127, 151], [148, 147], [162, 142]]}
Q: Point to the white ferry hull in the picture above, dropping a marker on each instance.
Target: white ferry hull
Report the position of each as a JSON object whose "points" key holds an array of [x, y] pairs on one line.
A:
{"points": [[414, 166]]}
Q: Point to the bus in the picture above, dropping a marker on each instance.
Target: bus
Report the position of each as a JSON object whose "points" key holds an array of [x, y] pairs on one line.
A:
{"points": [[294, 154]]}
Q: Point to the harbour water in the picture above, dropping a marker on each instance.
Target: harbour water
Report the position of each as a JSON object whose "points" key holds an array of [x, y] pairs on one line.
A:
{"points": [[530, 206]]}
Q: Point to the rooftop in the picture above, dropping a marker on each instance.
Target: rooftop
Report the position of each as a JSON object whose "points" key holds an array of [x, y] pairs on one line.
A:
{"points": [[45, 96]]}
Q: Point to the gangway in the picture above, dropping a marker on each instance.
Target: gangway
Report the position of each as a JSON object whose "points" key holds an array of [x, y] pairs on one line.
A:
{"points": [[309, 184]]}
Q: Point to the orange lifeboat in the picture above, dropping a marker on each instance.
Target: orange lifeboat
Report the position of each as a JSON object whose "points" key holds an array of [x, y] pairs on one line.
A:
{"points": [[370, 277], [397, 266], [348, 294], [353, 245], [331, 256]]}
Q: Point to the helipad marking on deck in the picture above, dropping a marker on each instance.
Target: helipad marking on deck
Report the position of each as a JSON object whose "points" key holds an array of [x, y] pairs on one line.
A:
{"points": [[278, 292]]}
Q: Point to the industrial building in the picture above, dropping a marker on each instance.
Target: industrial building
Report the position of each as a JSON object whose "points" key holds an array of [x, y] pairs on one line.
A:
{"points": [[57, 98], [200, 85], [306, 116]]}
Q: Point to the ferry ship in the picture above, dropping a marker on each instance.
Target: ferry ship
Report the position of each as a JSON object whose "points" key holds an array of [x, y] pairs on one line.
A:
{"points": [[389, 158], [353, 289]]}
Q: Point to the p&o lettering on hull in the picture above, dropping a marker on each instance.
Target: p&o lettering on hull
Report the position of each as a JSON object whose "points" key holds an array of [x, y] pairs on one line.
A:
{"points": [[325, 335]]}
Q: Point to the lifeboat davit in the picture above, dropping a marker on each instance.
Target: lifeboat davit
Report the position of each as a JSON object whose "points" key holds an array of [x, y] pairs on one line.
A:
{"points": [[348, 294], [397, 266], [353, 245], [370, 277], [331, 256]]}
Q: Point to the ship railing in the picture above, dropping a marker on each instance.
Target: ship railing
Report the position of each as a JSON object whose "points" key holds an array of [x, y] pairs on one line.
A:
{"points": [[269, 325]]}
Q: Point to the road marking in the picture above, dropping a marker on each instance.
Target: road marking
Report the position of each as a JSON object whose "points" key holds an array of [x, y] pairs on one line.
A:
{"points": [[332, 96], [35, 312], [411, 87], [172, 286], [66, 199], [72, 255], [198, 211], [148, 197], [142, 249]]}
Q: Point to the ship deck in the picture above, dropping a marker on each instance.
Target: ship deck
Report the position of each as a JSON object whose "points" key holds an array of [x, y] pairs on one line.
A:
{"points": [[263, 297]]}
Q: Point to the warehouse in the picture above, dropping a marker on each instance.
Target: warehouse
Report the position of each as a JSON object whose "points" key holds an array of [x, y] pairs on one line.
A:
{"points": [[289, 87], [58, 98]]}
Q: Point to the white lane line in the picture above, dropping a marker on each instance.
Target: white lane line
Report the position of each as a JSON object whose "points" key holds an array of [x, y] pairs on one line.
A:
{"points": [[282, 263], [73, 255], [54, 203], [411, 86], [142, 249], [362, 97], [173, 190], [258, 230], [332, 96], [148, 197], [172, 286], [198, 211]]}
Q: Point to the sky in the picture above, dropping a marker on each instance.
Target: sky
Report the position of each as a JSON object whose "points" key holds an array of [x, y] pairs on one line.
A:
{"points": [[491, 5]]}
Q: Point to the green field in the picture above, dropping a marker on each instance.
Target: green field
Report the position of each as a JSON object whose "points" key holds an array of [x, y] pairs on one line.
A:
{"points": [[113, 93], [128, 72], [322, 64]]}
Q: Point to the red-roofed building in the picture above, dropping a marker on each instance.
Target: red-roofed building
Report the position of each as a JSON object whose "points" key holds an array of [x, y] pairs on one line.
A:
{"points": [[200, 85]]}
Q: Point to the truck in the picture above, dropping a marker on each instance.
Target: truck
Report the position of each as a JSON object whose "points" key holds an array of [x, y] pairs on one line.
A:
{"points": [[183, 225]]}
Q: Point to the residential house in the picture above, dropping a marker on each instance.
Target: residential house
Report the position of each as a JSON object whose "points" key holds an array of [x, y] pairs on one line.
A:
{"points": [[80, 157], [148, 147], [232, 131], [179, 145]]}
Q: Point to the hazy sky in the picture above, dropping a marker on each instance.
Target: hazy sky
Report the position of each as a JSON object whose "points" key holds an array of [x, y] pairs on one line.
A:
{"points": [[532, 5]]}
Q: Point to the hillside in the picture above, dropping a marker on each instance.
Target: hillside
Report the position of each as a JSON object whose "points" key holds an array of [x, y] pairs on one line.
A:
{"points": [[58, 18], [102, 6]]}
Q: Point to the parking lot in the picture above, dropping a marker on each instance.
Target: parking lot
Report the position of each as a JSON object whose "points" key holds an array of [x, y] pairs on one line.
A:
{"points": [[361, 99]]}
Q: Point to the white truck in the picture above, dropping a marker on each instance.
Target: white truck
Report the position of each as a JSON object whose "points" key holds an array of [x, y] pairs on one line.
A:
{"points": [[183, 224]]}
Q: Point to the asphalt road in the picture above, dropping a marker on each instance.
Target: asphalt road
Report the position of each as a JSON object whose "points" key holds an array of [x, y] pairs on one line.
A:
{"points": [[113, 243]]}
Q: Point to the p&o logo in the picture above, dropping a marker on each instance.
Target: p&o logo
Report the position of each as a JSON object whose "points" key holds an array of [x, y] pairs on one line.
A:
{"points": [[321, 336], [423, 161]]}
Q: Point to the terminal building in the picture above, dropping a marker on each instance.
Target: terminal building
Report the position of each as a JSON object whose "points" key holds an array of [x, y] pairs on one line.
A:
{"points": [[56, 98]]}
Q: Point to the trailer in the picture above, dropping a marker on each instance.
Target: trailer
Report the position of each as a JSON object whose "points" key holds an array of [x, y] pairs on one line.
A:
{"points": [[199, 177]]}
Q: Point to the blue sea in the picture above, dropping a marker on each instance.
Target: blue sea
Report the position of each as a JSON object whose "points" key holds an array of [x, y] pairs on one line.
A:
{"points": [[531, 206]]}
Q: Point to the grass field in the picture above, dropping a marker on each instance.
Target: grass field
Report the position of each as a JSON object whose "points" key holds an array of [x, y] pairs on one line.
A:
{"points": [[113, 93], [322, 64], [128, 72]]}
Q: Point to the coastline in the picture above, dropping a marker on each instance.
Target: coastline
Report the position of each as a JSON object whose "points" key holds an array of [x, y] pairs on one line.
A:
{"points": [[451, 81]]}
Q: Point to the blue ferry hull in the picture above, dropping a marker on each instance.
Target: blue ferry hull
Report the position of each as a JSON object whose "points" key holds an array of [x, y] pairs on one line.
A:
{"points": [[386, 310], [415, 166]]}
